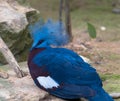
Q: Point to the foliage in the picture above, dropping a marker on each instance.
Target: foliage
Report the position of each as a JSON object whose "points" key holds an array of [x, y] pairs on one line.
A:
{"points": [[91, 30]]}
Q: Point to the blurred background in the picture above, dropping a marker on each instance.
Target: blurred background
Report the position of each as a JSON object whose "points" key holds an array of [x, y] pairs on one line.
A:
{"points": [[103, 14], [103, 52]]}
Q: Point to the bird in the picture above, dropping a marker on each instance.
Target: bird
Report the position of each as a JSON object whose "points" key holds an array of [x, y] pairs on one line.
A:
{"points": [[60, 71]]}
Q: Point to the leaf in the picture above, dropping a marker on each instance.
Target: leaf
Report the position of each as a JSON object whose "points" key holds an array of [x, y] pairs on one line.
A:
{"points": [[91, 30]]}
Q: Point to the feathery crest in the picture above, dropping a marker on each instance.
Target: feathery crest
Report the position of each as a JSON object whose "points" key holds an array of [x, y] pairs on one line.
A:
{"points": [[52, 32]]}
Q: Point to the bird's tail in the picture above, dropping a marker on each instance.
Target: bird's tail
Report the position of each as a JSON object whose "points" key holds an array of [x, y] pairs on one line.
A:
{"points": [[101, 96]]}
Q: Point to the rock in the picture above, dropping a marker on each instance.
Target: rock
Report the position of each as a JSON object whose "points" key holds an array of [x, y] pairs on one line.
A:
{"points": [[116, 10], [11, 19], [115, 95], [14, 19], [3, 75], [13, 16], [26, 91], [116, 5], [22, 89]]}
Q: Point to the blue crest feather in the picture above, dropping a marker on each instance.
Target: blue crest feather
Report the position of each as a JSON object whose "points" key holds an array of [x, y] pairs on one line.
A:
{"points": [[53, 33]]}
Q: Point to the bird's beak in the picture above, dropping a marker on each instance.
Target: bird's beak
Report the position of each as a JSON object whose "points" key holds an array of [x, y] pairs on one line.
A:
{"points": [[34, 45]]}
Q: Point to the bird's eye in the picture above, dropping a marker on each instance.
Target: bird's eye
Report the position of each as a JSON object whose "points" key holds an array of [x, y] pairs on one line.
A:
{"points": [[41, 41]]}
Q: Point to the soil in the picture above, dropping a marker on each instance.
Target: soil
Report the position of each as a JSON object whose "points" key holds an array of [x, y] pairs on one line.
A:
{"points": [[104, 55]]}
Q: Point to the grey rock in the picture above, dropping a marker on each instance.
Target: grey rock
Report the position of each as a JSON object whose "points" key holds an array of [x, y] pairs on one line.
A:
{"points": [[14, 19], [116, 10], [22, 89]]}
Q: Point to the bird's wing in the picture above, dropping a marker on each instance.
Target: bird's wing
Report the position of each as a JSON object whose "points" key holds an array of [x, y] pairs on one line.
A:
{"points": [[68, 74]]}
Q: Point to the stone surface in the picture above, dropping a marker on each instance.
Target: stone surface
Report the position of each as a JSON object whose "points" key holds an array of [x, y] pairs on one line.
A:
{"points": [[3, 75], [116, 10], [14, 19], [13, 15], [11, 19], [22, 89]]}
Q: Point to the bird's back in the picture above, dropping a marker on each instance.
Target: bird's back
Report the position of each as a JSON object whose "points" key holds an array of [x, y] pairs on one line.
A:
{"points": [[66, 68]]}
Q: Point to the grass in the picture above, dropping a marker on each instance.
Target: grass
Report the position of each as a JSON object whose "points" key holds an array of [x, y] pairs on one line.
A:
{"points": [[98, 17], [111, 83], [105, 77]]}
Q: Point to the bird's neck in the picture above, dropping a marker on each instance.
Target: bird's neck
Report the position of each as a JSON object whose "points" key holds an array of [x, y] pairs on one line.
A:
{"points": [[34, 52]]}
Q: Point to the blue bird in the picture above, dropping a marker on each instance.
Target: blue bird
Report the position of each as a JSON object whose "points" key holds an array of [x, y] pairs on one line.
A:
{"points": [[60, 71]]}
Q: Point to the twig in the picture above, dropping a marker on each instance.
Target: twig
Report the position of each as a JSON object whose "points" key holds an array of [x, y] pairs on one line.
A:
{"points": [[10, 59]]}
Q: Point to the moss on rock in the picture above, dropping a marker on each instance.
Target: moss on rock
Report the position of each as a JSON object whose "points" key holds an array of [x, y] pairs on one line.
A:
{"points": [[14, 28]]}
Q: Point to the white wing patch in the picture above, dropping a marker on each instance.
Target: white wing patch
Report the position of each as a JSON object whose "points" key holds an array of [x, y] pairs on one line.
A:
{"points": [[47, 82]]}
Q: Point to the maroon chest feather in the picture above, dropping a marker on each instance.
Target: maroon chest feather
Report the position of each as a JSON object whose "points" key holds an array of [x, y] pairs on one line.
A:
{"points": [[35, 70], [33, 53]]}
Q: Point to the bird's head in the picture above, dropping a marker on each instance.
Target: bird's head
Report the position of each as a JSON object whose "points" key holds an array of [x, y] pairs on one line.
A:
{"points": [[48, 34]]}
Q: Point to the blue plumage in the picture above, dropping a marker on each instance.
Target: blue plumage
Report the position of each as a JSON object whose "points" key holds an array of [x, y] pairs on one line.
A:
{"points": [[50, 33], [60, 71]]}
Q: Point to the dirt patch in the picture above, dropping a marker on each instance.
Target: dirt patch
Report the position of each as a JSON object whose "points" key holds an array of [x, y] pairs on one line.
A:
{"points": [[104, 55]]}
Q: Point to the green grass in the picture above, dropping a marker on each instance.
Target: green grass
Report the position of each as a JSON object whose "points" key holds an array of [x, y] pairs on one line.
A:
{"points": [[105, 77], [111, 82], [98, 16]]}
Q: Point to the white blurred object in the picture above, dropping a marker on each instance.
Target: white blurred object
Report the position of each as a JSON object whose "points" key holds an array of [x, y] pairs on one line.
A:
{"points": [[85, 59], [103, 28]]}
